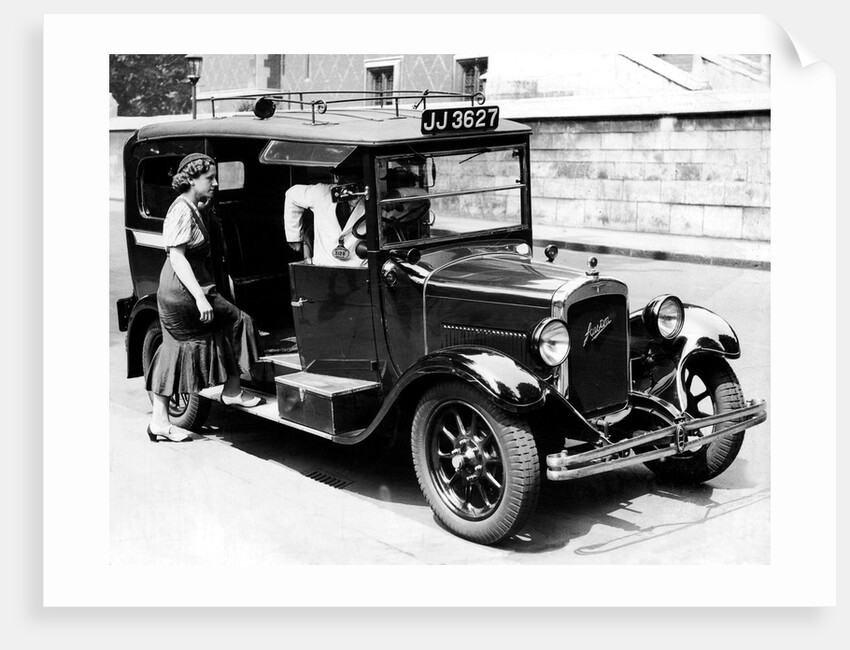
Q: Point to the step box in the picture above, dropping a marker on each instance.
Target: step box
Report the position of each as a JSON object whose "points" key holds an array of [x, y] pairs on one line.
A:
{"points": [[331, 404]]}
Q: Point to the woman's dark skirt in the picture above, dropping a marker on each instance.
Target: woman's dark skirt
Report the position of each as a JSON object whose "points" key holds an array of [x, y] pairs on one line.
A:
{"points": [[196, 355]]}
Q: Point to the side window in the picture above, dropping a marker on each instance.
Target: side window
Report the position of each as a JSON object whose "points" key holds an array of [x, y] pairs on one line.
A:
{"points": [[155, 175], [156, 193], [231, 175]]}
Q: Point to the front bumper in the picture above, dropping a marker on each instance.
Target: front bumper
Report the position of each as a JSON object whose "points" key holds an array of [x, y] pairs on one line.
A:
{"points": [[669, 441]]}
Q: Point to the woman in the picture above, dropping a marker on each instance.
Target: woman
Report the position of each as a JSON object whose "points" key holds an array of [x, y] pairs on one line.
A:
{"points": [[201, 331]]}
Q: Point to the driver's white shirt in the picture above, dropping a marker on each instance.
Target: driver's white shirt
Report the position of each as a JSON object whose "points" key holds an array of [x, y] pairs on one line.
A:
{"points": [[326, 230]]}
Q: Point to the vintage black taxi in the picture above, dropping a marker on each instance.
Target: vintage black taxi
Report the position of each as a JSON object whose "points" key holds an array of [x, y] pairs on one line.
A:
{"points": [[493, 367]]}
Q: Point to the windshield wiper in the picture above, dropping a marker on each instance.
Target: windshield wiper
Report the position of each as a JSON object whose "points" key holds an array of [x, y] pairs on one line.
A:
{"points": [[475, 155]]}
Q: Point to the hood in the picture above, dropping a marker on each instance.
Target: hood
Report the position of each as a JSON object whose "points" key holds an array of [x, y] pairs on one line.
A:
{"points": [[489, 297], [499, 277]]}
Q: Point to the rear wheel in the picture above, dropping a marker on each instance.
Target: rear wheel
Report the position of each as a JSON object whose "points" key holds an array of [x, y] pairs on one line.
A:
{"points": [[476, 464], [711, 387], [185, 410]]}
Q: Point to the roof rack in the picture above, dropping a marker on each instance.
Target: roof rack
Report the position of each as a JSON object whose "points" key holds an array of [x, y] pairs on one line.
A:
{"points": [[320, 105]]}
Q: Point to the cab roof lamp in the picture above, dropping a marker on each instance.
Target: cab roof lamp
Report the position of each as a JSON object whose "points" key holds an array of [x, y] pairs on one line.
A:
{"points": [[264, 108]]}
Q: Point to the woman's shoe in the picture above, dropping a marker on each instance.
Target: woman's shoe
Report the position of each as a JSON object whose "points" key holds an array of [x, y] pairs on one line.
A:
{"points": [[172, 434], [242, 400]]}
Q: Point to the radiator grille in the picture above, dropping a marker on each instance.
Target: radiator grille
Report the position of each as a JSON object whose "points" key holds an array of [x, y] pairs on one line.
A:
{"points": [[598, 363], [514, 344]]}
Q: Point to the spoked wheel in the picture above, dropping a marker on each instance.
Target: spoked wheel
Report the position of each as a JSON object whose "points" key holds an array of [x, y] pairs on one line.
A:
{"points": [[710, 387], [477, 465], [184, 409]]}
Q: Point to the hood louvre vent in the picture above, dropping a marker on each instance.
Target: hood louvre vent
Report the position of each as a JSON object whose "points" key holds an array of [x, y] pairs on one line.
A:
{"points": [[512, 343]]}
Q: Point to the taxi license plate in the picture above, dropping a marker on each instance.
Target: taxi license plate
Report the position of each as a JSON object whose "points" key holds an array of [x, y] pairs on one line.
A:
{"points": [[451, 120]]}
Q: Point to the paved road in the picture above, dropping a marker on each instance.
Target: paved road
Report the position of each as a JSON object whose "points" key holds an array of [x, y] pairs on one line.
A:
{"points": [[251, 492]]}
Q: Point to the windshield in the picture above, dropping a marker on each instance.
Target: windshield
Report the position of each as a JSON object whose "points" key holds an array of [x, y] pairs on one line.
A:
{"points": [[439, 195]]}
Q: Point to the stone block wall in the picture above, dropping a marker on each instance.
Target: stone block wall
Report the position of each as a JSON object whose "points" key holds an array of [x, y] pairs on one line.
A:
{"points": [[699, 176], [682, 175]]}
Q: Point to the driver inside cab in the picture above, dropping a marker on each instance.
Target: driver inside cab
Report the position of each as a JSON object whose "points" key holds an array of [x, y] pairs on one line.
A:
{"points": [[333, 224], [405, 220]]}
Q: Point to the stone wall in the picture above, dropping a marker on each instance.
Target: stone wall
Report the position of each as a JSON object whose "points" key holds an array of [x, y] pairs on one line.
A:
{"points": [[702, 176], [682, 175]]}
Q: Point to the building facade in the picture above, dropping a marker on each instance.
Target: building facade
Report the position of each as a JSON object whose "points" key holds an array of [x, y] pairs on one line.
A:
{"points": [[676, 144], [332, 72]]}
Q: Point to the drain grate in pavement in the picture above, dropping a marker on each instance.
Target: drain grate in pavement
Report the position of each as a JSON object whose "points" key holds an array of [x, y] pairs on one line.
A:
{"points": [[329, 479]]}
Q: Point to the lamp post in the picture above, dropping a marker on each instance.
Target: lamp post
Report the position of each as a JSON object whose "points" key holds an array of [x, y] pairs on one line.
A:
{"points": [[194, 62]]}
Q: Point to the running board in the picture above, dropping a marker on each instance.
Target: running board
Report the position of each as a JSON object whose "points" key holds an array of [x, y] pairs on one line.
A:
{"points": [[273, 365], [289, 362], [269, 411]]}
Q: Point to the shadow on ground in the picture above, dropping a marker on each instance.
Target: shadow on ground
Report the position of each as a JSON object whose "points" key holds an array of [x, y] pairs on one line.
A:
{"points": [[383, 473]]}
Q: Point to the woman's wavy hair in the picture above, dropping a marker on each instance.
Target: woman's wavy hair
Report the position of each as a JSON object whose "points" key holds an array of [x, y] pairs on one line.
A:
{"points": [[192, 169]]}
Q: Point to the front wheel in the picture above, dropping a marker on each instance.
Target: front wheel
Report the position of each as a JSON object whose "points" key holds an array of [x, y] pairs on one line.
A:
{"points": [[185, 410], [710, 387], [476, 464]]}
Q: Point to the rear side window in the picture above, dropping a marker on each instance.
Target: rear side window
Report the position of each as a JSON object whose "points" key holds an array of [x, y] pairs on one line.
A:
{"points": [[156, 193], [155, 175], [231, 175]]}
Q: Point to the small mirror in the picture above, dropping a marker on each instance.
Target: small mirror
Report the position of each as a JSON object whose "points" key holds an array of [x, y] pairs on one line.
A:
{"points": [[348, 192], [343, 192]]}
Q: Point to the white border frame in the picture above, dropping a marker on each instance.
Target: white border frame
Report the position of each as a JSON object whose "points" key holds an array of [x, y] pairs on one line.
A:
{"points": [[802, 570]]}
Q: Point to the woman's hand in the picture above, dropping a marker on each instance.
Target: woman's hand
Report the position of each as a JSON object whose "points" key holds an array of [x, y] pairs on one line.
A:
{"points": [[205, 308]]}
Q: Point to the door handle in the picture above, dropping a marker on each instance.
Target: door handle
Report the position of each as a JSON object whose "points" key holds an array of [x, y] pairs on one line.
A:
{"points": [[300, 302]]}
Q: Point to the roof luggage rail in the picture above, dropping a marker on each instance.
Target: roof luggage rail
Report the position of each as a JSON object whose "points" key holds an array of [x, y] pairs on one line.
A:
{"points": [[266, 102]]}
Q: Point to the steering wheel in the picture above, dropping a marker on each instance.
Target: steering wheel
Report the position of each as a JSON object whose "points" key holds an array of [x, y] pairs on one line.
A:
{"points": [[395, 223], [411, 216]]}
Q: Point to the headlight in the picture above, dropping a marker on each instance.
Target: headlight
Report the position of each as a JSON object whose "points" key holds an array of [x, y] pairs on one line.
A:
{"points": [[551, 341], [664, 316]]}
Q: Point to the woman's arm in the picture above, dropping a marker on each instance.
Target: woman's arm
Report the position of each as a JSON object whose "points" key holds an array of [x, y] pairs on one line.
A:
{"points": [[185, 274]]}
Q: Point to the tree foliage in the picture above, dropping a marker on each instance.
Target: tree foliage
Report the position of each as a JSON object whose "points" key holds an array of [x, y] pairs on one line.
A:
{"points": [[150, 84]]}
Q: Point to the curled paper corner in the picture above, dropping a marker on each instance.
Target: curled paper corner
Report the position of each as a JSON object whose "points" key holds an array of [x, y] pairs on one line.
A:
{"points": [[804, 54], [793, 47]]}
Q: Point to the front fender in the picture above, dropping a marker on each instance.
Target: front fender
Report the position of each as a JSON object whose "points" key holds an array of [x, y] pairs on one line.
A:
{"points": [[511, 385], [658, 367]]}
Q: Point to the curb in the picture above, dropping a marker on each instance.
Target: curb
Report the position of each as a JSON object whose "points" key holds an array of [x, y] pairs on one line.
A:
{"points": [[666, 256]]}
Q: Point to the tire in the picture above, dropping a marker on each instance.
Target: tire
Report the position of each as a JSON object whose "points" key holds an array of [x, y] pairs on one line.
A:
{"points": [[711, 387], [185, 410], [476, 464]]}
